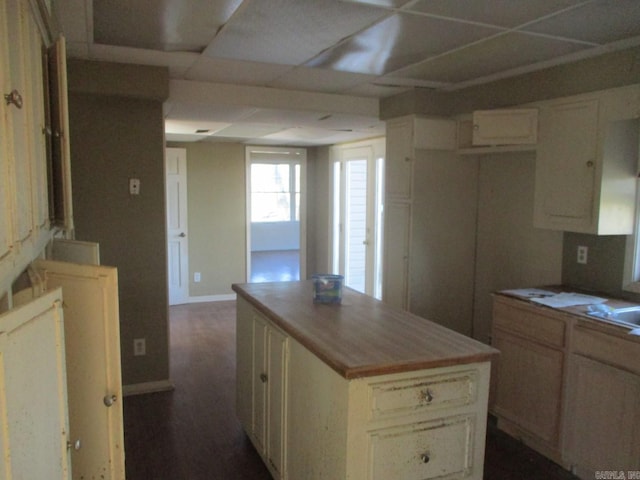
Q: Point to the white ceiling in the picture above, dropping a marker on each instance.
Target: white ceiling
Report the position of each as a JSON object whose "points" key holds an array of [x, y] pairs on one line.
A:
{"points": [[311, 72]]}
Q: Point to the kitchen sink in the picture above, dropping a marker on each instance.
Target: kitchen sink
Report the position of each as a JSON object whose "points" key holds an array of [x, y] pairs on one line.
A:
{"points": [[629, 316]]}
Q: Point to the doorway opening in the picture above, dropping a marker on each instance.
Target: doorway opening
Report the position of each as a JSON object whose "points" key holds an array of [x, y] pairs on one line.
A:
{"points": [[276, 211], [358, 176]]}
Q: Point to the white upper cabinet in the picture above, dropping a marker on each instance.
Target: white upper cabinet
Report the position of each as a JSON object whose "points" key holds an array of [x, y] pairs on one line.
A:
{"points": [[586, 164], [505, 127]]}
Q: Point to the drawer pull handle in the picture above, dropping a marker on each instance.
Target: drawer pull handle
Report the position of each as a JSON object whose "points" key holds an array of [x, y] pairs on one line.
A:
{"points": [[426, 396], [263, 377], [425, 458]]}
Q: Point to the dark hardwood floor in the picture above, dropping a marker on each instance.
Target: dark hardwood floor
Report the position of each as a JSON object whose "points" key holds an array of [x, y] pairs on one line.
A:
{"points": [[192, 433]]}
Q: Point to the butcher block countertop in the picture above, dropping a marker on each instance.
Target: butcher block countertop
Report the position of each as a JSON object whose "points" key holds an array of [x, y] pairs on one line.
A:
{"points": [[361, 337]]}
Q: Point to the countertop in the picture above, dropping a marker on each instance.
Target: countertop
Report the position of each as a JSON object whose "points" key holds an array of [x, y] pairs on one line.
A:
{"points": [[579, 312], [362, 336]]}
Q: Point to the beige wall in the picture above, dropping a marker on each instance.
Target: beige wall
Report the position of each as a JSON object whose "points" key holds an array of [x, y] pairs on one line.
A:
{"points": [[217, 216], [510, 252], [114, 138]]}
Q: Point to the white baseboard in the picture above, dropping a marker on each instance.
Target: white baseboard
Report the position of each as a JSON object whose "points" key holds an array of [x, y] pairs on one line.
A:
{"points": [[211, 298], [147, 387]]}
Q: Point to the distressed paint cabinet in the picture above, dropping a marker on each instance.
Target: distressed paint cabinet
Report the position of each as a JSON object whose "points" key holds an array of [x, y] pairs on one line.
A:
{"points": [[313, 416]]}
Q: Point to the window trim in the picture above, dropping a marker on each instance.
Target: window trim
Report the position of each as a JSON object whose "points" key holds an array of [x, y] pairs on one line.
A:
{"points": [[631, 278]]}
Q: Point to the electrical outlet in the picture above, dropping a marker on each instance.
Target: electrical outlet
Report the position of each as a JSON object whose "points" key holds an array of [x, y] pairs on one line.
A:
{"points": [[582, 254], [196, 277], [139, 347]]}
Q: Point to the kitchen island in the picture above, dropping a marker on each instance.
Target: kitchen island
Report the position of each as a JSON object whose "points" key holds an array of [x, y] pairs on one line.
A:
{"points": [[359, 390]]}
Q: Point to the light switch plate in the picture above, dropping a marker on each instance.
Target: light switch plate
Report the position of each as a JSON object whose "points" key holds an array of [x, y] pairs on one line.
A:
{"points": [[134, 186]]}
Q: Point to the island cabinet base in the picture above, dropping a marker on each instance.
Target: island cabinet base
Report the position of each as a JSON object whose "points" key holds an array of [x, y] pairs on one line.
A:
{"points": [[414, 425]]}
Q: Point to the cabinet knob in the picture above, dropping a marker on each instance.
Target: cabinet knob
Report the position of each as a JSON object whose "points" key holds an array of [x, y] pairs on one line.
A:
{"points": [[425, 457], [590, 163], [426, 395], [109, 400], [407, 159], [75, 445], [263, 377]]}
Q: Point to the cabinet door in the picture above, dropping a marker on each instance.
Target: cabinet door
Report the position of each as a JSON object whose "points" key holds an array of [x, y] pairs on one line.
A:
{"points": [[277, 391], [399, 158], [604, 430], [397, 219], [260, 378], [33, 391], [94, 383], [529, 385], [566, 166], [505, 127]]}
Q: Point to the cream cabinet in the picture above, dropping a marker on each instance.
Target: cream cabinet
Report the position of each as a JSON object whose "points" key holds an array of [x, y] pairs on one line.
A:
{"points": [[262, 385], [397, 222], [505, 127], [529, 383], [586, 163], [416, 425], [603, 428], [33, 391]]}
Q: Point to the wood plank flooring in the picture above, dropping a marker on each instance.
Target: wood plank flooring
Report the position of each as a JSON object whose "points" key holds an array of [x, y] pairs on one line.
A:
{"points": [[192, 432]]}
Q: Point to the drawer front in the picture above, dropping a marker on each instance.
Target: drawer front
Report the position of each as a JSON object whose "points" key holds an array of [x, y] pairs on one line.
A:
{"points": [[607, 349], [422, 394], [423, 451], [529, 321]]}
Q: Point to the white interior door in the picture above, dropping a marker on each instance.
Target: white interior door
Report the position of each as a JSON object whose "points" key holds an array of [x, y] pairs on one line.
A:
{"points": [[33, 391], [94, 383], [177, 240]]}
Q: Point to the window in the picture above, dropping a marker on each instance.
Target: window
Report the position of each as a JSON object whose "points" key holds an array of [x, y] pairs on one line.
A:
{"points": [[275, 192]]}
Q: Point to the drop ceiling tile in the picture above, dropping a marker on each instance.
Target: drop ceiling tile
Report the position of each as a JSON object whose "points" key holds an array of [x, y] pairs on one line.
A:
{"points": [[236, 72], [209, 113], [505, 13], [185, 127], [249, 130], [285, 116], [383, 3], [320, 80], [602, 21], [172, 25], [289, 32], [397, 42], [496, 55]]}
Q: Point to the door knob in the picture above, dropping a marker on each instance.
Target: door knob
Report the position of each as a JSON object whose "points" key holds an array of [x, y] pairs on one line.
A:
{"points": [[109, 400]]}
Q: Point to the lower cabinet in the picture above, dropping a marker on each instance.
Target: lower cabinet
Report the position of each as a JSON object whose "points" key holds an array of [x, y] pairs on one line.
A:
{"points": [[603, 428], [528, 390], [309, 422], [261, 395], [568, 388]]}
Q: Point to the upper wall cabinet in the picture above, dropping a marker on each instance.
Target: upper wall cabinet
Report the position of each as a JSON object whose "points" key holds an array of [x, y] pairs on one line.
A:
{"points": [[586, 164], [498, 130], [505, 127], [404, 136]]}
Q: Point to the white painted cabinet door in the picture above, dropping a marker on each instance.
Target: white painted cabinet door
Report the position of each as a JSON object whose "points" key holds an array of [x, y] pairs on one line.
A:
{"points": [[397, 219], [92, 341], [566, 166], [505, 127], [33, 391]]}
